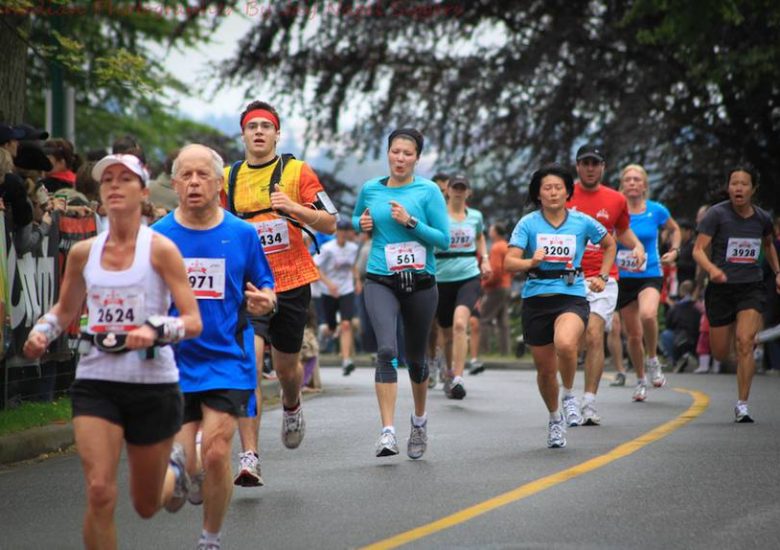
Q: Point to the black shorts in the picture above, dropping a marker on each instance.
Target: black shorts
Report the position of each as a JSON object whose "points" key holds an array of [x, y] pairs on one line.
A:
{"points": [[286, 327], [343, 304], [629, 288], [540, 312], [234, 402], [260, 324], [458, 293], [723, 301], [148, 413]]}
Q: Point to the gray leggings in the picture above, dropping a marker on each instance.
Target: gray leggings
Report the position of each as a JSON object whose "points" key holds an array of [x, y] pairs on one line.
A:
{"points": [[417, 310]]}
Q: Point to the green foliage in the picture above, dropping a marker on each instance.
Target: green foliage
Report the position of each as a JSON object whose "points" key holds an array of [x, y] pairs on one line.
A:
{"points": [[33, 414]]}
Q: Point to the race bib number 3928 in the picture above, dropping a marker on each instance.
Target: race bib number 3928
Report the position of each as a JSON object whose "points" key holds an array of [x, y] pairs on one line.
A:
{"points": [[743, 251]]}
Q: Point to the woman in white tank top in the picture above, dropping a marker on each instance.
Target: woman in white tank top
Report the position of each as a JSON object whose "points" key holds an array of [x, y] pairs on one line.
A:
{"points": [[126, 387]]}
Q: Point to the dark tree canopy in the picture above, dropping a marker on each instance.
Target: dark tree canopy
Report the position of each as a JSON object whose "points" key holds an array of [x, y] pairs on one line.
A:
{"points": [[685, 88]]}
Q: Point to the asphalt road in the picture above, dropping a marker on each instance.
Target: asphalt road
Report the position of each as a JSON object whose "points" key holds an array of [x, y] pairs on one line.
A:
{"points": [[673, 472]]}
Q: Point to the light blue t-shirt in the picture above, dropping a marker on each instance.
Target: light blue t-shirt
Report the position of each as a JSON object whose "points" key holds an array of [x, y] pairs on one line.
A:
{"points": [[565, 244], [646, 226], [395, 248], [219, 262], [460, 263]]}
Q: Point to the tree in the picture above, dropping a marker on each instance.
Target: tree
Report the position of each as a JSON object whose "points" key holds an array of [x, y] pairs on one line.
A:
{"points": [[686, 88]]}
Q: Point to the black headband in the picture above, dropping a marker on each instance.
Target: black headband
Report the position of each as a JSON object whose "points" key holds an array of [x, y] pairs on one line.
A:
{"points": [[408, 133]]}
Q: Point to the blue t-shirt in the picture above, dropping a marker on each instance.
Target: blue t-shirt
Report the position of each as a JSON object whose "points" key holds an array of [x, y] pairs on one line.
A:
{"points": [[646, 226], [463, 240], [219, 262], [566, 245], [395, 248]]}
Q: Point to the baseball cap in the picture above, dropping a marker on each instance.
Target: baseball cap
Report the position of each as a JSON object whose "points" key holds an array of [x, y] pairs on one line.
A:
{"points": [[7, 133], [459, 179], [590, 151], [131, 162], [31, 156], [343, 223], [32, 133]]}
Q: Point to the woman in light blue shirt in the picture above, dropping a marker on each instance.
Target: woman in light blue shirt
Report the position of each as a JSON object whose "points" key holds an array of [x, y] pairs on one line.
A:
{"points": [[548, 244], [408, 219]]}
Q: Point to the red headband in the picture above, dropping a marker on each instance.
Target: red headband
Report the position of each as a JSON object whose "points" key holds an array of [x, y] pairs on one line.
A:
{"points": [[261, 113]]}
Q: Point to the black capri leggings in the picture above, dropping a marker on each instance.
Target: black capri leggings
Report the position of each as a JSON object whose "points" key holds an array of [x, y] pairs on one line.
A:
{"points": [[417, 310]]}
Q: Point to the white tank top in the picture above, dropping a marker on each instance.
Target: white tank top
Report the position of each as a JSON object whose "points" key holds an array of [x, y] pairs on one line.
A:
{"points": [[118, 302]]}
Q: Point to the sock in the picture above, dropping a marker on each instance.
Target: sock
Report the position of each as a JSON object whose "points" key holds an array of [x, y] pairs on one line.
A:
{"points": [[589, 397], [568, 392], [390, 429], [642, 380], [457, 380], [555, 416], [207, 537], [345, 362], [739, 403], [419, 421], [704, 360], [293, 409]]}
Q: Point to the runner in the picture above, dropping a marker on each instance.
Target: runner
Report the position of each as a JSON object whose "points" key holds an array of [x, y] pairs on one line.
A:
{"points": [[497, 289], [640, 284], [608, 207], [278, 195], [437, 369], [408, 219], [217, 369], [336, 263], [126, 387], [458, 280], [735, 231], [549, 244]]}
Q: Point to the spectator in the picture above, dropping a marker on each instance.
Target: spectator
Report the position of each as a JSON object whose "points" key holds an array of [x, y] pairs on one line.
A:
{"points": [[682, 328], [64, 162], [495, 302], [161, 191]]}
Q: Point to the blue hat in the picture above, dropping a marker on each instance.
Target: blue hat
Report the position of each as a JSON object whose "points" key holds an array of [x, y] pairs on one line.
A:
{"points": [[7, 133]]}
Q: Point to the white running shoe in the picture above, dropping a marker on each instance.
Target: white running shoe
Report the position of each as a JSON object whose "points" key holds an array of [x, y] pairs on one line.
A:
{"points": [[741, 414], [556, 434], [196, 488], [387, 445], [589, 415], [640, 392], [203, 544], [249, 474], [181, 487], [656, 372], [418, 441], [293, 428], [571, 411]]}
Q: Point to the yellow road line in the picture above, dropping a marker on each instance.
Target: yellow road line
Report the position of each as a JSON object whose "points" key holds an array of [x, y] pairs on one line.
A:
{"points": [[700, 403]]}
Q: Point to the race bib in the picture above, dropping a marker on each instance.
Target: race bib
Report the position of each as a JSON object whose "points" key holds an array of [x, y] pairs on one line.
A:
{"points": [[743, 251], [207, 277], [462, 238], [557, 248], [273, 234], [408, 255], [627, 262], [117, 310]]}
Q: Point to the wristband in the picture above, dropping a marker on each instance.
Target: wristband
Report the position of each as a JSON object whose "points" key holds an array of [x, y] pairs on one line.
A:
{"points": [[169, 329], [49, 326]]}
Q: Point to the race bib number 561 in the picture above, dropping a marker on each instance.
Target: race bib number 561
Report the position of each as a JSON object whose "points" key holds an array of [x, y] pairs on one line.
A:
{"points": [[407, 255]]}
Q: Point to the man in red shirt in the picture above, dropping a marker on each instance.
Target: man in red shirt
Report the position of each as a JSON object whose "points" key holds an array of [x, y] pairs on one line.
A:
{"points": [[609, 208]]}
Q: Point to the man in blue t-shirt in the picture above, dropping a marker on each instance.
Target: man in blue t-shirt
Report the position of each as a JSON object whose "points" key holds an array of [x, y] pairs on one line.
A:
{"points": [[230, 276]]}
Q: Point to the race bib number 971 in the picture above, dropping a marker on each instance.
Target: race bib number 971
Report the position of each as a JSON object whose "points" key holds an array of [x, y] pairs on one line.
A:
{"points": [[407, 255], [743, 251], [207, 277]]}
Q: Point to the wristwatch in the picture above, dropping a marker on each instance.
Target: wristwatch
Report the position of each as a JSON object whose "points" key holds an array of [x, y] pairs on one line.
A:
{"points": [[603, 277], [411, 223]]}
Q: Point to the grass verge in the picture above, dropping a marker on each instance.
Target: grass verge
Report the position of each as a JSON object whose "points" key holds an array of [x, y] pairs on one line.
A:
{"points": [[33, 414]]}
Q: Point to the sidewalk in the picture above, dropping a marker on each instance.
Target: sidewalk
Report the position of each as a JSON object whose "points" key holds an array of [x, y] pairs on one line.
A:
{"points": [[53, 438]]}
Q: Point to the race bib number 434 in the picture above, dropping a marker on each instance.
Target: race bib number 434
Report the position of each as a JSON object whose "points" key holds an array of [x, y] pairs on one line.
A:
{"points": [[117, 310], [743, 251], [557, 248], [207, 277], [407, 255], [274, 235]]}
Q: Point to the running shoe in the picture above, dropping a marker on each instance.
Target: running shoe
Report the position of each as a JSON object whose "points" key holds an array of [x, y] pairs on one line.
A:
{"points": [[741, 414], [195, 495], [655, 369], [640, 392], [387, 445], [571, 411], [476, 366], [418, 441], [457, 390], [433, 372], [248, 470], [620, 380], [446, 381], [589, 415], [556, 434], [293, 428], [348, 368], [203, 544], [443, 371], [181, 487]]}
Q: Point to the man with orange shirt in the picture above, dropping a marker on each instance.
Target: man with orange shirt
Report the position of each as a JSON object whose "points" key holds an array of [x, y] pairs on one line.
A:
{"points": [[495, 302], [279, 195], [609, 208]]}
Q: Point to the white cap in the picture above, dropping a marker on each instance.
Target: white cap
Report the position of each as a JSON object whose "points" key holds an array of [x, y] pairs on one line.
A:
{"points": [[131, 162]]}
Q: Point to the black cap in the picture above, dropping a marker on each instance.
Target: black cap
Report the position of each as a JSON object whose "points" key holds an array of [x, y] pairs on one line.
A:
{"points": [[7, 133], [590, 151], [459, 179], [343, 223], [31, 156], [32, 133]]}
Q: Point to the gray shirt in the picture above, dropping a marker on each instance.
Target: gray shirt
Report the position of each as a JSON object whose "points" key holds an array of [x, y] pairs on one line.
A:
{"points": [[737, 242]]}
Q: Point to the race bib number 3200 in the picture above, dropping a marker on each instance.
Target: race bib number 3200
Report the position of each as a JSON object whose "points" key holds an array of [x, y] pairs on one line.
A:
{"points": [[117, 310], [207, 277], [557, 248], [274, 235], [407, 255]]}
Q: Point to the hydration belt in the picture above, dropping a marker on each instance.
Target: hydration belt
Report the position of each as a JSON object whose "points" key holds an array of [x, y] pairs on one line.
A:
{"points": [[472, 254], [569, 275], [406, 281], [111, 342]]}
